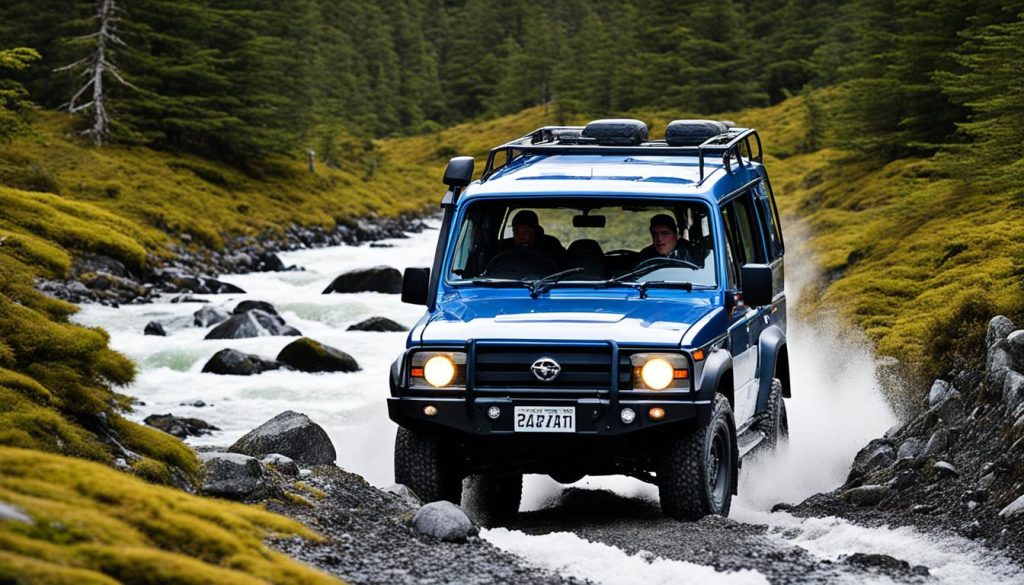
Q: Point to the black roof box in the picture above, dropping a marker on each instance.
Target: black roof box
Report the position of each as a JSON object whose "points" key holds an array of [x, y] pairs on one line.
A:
{"points": [[616, 132], [693, 132]]}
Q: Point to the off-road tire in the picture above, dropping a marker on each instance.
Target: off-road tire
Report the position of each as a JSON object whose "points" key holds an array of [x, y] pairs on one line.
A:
{"points": [[493, 500], [425, 465], [697, 468], [775, 426]]}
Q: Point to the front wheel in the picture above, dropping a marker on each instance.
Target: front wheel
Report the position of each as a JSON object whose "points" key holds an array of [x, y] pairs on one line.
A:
{"points": [[493, 500], [697, 469], [425, 465]]}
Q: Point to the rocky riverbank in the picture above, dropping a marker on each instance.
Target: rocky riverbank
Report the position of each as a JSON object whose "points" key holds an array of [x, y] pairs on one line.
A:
{"points": [[958, 466], [95, 278]]}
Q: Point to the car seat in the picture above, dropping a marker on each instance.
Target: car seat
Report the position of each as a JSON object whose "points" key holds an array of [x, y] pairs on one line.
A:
{"points": [[587, 254]]}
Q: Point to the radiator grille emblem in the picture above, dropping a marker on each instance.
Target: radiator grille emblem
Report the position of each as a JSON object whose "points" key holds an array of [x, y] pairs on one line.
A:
{"points": [[545, 369]]}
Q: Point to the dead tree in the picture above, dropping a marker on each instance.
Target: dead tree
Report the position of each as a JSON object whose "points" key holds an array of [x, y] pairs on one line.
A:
{"points": [[93, 68]]}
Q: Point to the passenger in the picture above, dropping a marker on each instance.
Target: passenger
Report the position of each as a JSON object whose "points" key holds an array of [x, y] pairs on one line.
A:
{"points": [[528, 233], [665, 241]]}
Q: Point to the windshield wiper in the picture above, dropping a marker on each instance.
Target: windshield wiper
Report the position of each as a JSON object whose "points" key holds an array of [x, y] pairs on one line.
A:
{"points": [[641, 287], [537, 287], [489, 281], [652, 265]]}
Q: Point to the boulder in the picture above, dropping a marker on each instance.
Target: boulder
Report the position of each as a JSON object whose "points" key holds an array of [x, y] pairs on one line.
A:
{"points": [[246, 306], [231, 362], [235, 476], [187, 299], [282, 464], [912, 448], [444, 521], [155, 328], [938, 443], [218, 287], [383, 279], [866, 495], [998, 329], [307, 355], [877, 454], [208, 316], [290, 434], [377, 324], [1013, 389], [885, 564], [940, 392], [1015, 347], [269, 262], [1015, 508], [945, 469], [254, 323], [178, 426]]}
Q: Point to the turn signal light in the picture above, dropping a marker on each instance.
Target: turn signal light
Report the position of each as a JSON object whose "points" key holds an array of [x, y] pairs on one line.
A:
{"points": [[698, 355], [656, 413]]}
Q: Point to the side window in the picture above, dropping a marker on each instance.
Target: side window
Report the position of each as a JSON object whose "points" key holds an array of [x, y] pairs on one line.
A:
{"points": [[743, 238], [732, 263], [463, 246], [771, 217]]}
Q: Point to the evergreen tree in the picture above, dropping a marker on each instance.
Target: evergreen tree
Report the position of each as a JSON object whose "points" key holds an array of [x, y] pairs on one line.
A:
{"points": [[14, 103]]}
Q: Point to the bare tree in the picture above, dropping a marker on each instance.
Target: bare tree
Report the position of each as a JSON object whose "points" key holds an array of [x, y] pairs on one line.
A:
{"points": [[93, 68]]}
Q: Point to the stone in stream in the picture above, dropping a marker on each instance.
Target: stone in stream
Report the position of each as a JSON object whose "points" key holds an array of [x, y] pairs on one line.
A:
{"points": [[179, 426], [231, 362], [254, 323], [218, 287], [207, 316], [246, 306], [444, 520], [307, 355], [885, 564], [235, 476], [290, 434], [377, 324], [155, 328], [383, 279]]}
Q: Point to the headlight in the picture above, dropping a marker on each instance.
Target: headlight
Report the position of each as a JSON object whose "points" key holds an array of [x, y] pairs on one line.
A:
{"points": [[659, 371], [438, 369]]}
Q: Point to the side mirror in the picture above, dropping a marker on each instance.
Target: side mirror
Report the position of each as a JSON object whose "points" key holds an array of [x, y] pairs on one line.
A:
{"points": [[459, 172], [415, 284], [757, 284]]}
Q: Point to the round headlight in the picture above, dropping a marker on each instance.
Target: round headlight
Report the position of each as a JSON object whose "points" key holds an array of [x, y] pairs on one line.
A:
{"points": [[439, 371], [657, 373]]}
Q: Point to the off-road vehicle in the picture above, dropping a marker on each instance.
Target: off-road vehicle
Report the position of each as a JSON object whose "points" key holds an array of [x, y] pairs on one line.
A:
{"points": [[563, 336]]}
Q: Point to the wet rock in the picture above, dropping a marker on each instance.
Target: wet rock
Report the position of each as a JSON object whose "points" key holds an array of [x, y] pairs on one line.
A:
{"points": [[1015, 347], [290, 434], [998, 329], [218, 287], [231, 362], [178, 426], [986, 481], [922, 509], [195, 403], [269, 262], [912, 448], [1015, 508], [971, 529], [444, 521], [235, 476], [377, 324], [877, 454], [254, 323], [208, 316], [885, 564], [945, 469], [12, 513], [246, 306], [1013, 389], [383, 279], [938, 443], [307, 355], [188, 299], [866, 495], [940, 392], [155, 328], [282, 464], [404, 493]]}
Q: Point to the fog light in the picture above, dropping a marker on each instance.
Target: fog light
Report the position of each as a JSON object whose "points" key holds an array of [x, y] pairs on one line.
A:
{"points": [[493, 412], [656, 413], [430, 410], [627, 415]]}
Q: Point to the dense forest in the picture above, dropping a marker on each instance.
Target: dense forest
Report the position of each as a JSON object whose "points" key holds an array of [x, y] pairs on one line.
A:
{"points": [[238, 79]]}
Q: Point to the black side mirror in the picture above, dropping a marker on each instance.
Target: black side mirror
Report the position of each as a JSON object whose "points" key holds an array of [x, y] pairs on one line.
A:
{"points": [[459, 171], [415, 284], [757, 284]]}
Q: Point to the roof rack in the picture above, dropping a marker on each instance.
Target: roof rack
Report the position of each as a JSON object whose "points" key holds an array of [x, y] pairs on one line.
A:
{"points": [[569, 140]]}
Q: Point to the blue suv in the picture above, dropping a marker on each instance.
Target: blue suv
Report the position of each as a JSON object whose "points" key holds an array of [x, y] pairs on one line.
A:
{"points": [[600, 303]]}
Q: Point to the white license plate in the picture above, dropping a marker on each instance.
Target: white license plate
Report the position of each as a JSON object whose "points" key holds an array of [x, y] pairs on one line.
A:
{"points": [[545, 419]]}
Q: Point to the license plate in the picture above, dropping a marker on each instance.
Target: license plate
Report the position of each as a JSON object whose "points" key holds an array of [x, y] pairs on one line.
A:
{"points": [[545, 419]]}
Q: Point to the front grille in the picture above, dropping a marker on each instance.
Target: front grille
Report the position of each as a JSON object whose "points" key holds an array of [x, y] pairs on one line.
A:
{"points": [[584, 369]]}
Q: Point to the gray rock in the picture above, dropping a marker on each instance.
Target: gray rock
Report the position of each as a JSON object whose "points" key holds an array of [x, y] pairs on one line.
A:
{"points": [[1015, 508], [941, 391], [944, 468], [308, 355], [254, 323], [12, 513], [188, 299], [938, 443], [384, 279], [246, 306], [208, 316], [1013, 389], [404, 493], [1015, 347], [445, 521], [180, 427], [155, 328], [866, 495], [218, 287], [876, 454], [282, 463], [986, 481], [998, 328], [377, 324], [234, 476], [912, 448], [231, 362], [291, 434]]}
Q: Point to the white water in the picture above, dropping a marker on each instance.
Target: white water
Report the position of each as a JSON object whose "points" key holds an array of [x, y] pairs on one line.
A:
{"points": [[836, 408]]}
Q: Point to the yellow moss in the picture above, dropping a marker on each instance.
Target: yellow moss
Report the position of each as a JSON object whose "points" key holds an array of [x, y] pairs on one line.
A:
{"points": [[311, 490], [17, 569]]}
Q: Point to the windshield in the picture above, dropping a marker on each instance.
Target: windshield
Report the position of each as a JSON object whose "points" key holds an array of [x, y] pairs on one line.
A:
{"points": [[593, 241]]}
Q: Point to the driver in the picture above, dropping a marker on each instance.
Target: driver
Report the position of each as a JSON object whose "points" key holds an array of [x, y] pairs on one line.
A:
{"points": [[528, 233], [665, 241]]}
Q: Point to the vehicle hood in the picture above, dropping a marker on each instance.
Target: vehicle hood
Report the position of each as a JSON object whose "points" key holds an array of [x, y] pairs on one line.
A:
{"points": [[624, 320]]}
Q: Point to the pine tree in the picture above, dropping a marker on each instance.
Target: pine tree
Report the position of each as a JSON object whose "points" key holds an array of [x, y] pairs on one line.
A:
{"points": [[14, 102]]}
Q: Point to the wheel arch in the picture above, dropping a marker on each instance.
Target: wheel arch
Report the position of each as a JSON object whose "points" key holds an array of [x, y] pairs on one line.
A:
{"points": [[773, 363]]}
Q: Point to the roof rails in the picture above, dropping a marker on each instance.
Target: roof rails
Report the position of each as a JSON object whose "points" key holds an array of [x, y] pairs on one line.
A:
{"points": [[571, 140]]}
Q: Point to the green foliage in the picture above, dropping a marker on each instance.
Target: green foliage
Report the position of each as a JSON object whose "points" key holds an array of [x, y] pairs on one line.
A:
{"points": [[14, 103]]}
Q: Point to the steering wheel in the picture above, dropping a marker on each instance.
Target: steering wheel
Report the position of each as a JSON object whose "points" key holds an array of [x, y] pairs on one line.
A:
{"points": [[666, 260], [621, 252], [519, 263]]}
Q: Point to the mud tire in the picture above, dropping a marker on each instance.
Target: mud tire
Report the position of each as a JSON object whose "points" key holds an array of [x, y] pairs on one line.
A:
{"points": [[493, 500], [697, 468], [425, 465], [776, 425]]}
